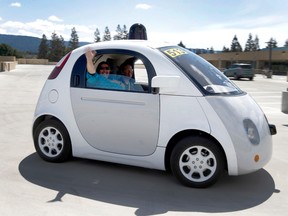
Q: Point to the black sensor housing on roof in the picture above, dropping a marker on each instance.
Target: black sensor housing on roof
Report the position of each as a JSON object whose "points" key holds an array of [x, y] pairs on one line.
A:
{"points": [[137, 32]]}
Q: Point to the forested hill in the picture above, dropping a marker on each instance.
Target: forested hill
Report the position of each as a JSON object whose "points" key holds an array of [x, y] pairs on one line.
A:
{"points": [[25, 43]]}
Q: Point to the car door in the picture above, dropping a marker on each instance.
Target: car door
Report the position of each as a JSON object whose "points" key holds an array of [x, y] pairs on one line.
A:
{"points": [[117, 121]]}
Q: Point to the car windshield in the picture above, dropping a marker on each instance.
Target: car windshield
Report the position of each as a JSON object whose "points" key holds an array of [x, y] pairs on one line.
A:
{"points": [[208, 78]]}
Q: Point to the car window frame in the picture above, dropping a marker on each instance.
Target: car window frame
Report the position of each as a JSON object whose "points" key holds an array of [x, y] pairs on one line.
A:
{"points": [[78, 74]]}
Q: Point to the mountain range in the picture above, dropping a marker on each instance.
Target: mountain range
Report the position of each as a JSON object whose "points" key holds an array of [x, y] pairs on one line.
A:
{"points": [[26, 43]]}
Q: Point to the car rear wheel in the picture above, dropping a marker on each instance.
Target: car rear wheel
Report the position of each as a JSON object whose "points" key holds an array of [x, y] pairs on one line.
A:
{"points": [[197, 162], [52, 141]]}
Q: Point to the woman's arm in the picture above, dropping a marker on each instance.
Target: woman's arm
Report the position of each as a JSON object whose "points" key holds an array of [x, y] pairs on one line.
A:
{"points": [[89, 57]]}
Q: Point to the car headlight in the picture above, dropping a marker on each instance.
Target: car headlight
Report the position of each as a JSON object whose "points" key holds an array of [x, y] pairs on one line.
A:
{"points": [[251, 131]]}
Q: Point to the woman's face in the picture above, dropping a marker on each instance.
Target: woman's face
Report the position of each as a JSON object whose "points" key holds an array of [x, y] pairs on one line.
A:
{"points": [[104, 70]]}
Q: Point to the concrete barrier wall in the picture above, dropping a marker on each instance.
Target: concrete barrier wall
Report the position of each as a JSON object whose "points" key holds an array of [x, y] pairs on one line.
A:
{"points": [[33, 61], [7, 66], [7, 63], [7, 58]]}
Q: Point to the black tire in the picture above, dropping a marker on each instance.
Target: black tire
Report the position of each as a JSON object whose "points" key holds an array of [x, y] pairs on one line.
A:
{"points": [[236, 76], [197, 162], [52, 141]]}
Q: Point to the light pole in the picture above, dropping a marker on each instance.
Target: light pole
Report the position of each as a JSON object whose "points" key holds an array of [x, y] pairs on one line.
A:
{"points": [[269, 75]]}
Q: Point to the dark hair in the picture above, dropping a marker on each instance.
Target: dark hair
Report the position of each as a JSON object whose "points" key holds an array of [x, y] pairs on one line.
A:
{"points": [[100, 65]]}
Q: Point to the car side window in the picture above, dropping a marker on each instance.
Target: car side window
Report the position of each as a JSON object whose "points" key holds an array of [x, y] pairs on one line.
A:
{"points": [[141, 75], [118, 70], [119, 80]]}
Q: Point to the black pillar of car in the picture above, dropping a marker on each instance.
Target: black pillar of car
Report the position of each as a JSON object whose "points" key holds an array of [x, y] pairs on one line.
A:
{"points": [[138, 32]]}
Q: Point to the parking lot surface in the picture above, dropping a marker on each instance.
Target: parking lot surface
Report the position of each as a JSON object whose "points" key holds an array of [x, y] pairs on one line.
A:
{"points": [[29, 186]]}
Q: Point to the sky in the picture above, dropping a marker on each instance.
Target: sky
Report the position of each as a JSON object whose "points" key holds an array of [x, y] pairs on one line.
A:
{"points": [[197, 23]]}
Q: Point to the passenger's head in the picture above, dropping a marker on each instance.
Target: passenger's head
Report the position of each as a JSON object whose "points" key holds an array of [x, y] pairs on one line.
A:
{"points": [[127, 69], [103, 68]]}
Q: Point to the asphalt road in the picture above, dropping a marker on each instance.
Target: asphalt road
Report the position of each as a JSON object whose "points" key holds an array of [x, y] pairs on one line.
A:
{"points": [[30, 186]]}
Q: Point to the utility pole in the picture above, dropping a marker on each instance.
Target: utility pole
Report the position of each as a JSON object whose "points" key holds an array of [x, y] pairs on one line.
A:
{"points": [[269, 75]]}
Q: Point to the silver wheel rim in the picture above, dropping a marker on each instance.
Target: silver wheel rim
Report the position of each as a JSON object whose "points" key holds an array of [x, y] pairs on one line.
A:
{"points": [[198, 163], [50, 142]]}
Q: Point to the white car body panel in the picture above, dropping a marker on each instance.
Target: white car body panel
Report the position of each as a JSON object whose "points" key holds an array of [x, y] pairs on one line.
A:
{"points": [[98, 112], [245, 151], [175, 118]]}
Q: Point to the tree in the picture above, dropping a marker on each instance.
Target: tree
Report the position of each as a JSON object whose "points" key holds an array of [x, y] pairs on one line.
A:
{"points": [[225, 49], [181, 44], [118, 35], [235, 46], [211, 50], [249, 46], [125, 33], [256, 44], [252, 45], [6, 50], [97, 36], [57, 48], [107, 35], [286, 43], [121, 33], [43, 49], [74, 40], [272, 43]]}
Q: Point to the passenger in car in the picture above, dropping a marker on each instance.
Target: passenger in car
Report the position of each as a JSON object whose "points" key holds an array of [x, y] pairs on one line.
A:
{"points": [[127, 71], [100, 77]]}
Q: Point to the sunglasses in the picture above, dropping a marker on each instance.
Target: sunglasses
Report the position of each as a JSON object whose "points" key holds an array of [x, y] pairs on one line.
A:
{"points": [[104, 68]]}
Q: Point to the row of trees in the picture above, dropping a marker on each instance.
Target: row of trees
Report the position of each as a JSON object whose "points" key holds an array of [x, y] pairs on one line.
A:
{"points": [[6, 50], [251, 44], [121, 34], [55, 48]]}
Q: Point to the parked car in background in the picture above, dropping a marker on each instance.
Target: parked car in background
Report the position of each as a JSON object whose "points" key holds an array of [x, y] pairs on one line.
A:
{"points": [[240, 70]]}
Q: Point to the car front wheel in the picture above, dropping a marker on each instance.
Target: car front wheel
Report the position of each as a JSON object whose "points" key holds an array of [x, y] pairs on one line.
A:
{"points": [[52, 141], [236, 76], [197, 162]]}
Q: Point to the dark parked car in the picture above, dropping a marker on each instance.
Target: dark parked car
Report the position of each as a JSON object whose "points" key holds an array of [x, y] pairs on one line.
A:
{"points": [[240, 70]]}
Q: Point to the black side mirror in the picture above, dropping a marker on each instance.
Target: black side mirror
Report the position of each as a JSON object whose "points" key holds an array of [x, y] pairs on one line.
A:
{"points": [[273, 129]]}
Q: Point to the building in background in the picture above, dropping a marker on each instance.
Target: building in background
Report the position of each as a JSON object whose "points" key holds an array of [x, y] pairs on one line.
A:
{"points": [[260, 60]]}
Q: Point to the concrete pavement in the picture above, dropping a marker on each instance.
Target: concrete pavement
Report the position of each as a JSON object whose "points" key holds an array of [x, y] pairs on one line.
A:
{"points": [[29, 186]]}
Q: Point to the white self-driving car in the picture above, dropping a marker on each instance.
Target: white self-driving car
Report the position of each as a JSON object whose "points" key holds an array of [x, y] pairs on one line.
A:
{"points": [[185, 115]]}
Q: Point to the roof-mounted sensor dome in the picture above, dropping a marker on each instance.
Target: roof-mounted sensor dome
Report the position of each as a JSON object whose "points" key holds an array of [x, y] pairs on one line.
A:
{"points": [[138, 32]]}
